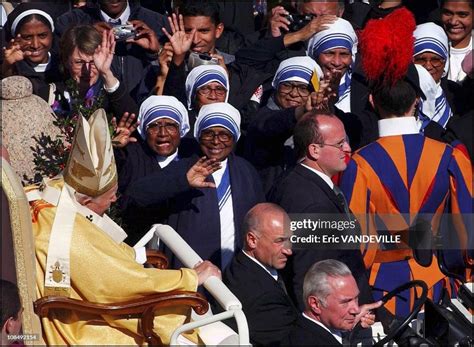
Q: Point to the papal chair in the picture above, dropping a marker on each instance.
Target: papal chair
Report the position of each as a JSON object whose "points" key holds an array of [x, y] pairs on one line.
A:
{"points": [[18, 266], [18, 249]]}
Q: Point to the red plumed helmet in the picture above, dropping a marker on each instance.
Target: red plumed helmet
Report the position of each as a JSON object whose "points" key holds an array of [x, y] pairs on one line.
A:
{"points": [[386, 46]]}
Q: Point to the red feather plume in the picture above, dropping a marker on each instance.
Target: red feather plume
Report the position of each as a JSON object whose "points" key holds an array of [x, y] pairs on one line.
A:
{"points": [[386, 46]]}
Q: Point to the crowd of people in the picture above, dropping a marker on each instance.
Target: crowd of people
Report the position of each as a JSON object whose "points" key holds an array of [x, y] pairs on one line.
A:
{"points": [[355, 113]]}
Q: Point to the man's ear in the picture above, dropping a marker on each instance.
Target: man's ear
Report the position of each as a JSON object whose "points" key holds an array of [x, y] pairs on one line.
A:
{"points": [[9, 326], [251, 240], [313, 151], [84, 200], [315, 304], [219, 30]]}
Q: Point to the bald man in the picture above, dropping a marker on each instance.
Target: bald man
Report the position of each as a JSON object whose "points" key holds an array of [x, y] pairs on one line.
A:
{"points": [[253, 274]]}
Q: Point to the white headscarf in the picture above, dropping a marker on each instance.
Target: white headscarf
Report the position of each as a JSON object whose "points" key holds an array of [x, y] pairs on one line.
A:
{"points": [[339, 34], [202, 75], [219, 114], [296, 69], [162, 106], [430, 37], [435, 107], [26, 13]]}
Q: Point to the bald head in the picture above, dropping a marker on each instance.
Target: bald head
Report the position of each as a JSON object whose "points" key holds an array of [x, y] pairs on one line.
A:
{"points": [[260, 215], [266, 235]]}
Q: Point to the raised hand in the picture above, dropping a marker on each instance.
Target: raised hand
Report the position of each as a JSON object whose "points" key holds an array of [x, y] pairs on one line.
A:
{"points": [[12, 54], [278, 21], [198, 173], [179, 39], [104, 53], [366, 316], [220, 60], [145, 37], [326, 95], [316, 25], [102, 26], [165, 58], [124, 129]]}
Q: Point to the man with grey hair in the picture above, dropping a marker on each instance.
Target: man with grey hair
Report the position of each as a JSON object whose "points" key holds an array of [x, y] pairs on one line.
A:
{"points": [[253, 277], [331, 295]]}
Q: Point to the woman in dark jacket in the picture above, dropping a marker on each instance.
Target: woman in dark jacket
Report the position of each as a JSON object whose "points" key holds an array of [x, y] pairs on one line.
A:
{"points": [[86, 56]]}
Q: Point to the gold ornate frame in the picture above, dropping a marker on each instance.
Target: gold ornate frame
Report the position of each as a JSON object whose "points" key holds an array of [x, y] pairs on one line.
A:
{"points": [[23, 250]]}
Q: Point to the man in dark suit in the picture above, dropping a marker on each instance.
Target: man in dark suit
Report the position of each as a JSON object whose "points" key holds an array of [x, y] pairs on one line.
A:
{"points": [[321, 145], [331, 297], [252, 275]]}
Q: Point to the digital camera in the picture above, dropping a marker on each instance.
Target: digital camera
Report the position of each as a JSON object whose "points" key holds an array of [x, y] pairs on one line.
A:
{"points": [[124, 32], [298, 21], [196, 59]]}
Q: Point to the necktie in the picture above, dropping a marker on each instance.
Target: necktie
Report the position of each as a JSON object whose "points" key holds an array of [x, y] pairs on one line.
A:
{"points": [[282, 284], [341, 199], [115, 22]]}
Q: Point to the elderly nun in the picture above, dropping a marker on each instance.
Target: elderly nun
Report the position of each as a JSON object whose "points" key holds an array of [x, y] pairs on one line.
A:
{"points": [[208, 219], [431, 51], [269, 145], [162, 123]]}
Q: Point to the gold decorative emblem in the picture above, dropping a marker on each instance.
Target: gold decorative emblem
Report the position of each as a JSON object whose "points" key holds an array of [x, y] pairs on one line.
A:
{"points": [[57, 273]]}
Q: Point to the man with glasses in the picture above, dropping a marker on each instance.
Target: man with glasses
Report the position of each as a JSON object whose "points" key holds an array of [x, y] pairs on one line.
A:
{"points": [[321, 147], [253, 274]]}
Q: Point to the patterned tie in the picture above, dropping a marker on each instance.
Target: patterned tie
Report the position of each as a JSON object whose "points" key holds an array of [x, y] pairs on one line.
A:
{"points": [[342, 200], [223, 190]]}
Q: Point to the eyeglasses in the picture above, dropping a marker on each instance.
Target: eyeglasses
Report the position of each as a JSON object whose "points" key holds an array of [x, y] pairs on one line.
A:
{"points": [[79, 64], [210, 136], [170, 128], [206, 90], [435, 62], [287, 88], [339, 145]]}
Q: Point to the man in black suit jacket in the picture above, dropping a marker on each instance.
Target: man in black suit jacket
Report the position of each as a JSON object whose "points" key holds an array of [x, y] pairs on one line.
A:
{"points": [[252, 275], [331, 297], [321, 144]]}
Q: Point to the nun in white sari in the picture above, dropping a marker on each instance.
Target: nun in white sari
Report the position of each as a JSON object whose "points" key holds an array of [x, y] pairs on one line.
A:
{"points": [[335, 49], [431, 52]]}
